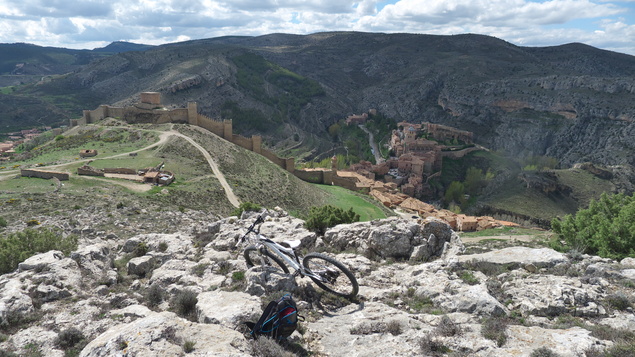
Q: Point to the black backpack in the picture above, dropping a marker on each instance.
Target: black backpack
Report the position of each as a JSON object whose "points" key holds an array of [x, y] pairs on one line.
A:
{"points": [[278, 321]]}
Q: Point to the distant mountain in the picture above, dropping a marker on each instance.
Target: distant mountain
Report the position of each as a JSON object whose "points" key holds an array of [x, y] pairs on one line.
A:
{"points": [[122, 46], [572, 102]]}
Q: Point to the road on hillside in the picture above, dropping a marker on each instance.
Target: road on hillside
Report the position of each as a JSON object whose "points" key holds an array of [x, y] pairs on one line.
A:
{"points": [[373, 145], [163, 138]]}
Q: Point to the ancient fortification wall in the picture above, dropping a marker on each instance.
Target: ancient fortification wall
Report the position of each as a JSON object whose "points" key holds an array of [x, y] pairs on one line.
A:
{"points": [[150, 110]]}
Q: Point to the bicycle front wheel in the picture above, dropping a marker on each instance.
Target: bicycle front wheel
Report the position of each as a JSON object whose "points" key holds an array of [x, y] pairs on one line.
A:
{"points": [[254, 257], [335, 277]]}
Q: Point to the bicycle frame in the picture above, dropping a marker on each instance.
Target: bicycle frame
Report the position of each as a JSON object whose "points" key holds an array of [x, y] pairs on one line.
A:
{"points": [[285, 253]]}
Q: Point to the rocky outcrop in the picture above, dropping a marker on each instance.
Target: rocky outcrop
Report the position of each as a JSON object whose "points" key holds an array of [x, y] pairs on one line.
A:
{"points": [[160, 294]]}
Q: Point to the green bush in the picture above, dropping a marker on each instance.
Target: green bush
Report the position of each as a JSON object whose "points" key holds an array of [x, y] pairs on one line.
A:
{"points": [[3, 222], [17, 247], [606, 228], [322, 218], [245, 206]]}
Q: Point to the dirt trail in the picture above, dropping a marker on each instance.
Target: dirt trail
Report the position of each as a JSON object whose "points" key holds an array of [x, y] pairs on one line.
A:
{"points": [[233, 199], [163, 138]]}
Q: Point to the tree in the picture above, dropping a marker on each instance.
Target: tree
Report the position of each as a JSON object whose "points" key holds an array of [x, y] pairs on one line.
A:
{"points": [[454, 193], [473, 180], [606, 228], [321, 218]]}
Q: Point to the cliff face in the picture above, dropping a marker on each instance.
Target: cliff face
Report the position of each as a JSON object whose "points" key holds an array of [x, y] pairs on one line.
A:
{"points": [[573, 102]]}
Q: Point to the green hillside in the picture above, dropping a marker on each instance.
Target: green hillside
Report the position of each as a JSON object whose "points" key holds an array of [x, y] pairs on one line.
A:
{"points": [[251, 177]]}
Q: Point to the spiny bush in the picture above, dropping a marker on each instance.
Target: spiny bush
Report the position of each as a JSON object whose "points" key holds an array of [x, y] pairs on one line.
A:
{"points": [[154, 295], [185, 303], [17, 247], [432, 346], [69, 338], [448, 328], [495, 329], [619, 301], [3, 222], [322, 218]]}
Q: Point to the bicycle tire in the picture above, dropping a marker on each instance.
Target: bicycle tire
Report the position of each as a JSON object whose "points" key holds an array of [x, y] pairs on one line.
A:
{"points": [[332, 270], [252, 256]]}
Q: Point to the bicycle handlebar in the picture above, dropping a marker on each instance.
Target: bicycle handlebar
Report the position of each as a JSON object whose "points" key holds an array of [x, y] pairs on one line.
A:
{"points": [[259, 220]]}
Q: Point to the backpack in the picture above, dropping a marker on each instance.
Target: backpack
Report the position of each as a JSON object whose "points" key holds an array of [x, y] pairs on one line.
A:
{"points": [[278, 321]]}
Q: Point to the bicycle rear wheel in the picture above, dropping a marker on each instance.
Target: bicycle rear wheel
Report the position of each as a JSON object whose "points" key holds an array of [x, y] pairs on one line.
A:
{"points": [[254, 257], [336, 278]]}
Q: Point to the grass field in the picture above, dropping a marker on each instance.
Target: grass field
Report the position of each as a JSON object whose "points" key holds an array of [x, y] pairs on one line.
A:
{"points": [[345, 199]]}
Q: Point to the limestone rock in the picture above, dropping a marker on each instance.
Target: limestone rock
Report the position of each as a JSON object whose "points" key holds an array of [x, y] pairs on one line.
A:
{"points": [[229, 309], [540, 257], [163, 334], [140, 266]]}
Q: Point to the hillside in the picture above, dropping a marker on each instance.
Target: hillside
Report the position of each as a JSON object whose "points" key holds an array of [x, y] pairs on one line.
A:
{"points": [[571, 102], [251, 177]]}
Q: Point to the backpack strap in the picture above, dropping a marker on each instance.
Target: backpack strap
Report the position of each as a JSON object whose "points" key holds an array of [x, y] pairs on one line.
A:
{"points": [[258, 325]]}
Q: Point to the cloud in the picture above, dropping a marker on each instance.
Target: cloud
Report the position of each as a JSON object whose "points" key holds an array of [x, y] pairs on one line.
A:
{"points": [[57, 8]]}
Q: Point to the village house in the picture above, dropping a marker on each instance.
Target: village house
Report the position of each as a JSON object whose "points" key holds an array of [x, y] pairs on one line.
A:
{"points": [[356, 119]]}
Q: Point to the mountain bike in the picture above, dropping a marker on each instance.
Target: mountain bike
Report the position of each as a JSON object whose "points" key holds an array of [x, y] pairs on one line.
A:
{"points": [[325, 271]]}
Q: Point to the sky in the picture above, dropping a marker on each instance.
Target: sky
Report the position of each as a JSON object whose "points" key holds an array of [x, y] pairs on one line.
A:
{"points": [[87, 24]]}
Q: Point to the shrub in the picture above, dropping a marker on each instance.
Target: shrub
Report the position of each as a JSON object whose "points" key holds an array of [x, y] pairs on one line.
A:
{"points": [[17, 247], [245, 206], [140, 250], [32, 222], [543, 352], [163, 246], [3, 222], [619, 301], [185, 303], [606, 228], [188, 346], [238, 276], [468, 278], [448, 328], [432, 346], [267, 347], [154, 295], [495, 329], [199, 269], [322, 218], [69, 338]]}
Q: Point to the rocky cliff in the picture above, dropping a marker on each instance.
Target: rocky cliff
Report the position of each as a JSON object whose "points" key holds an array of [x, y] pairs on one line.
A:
{"points": [[421, 293]]}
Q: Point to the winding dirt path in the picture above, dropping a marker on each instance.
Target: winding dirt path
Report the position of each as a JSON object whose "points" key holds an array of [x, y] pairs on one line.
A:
{"points": [[233, 199]]}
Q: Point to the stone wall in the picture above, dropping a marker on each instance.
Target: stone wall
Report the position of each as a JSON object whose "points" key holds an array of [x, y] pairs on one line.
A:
{"points": [[62, 176], [313, 176], [120, 170]]}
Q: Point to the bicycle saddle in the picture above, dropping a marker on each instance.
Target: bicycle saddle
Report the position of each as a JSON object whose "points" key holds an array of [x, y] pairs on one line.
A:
{"points": [[291, 243]]}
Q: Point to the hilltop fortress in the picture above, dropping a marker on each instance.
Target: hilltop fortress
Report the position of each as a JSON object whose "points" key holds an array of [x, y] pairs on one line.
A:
{"points": [[150, 110]]}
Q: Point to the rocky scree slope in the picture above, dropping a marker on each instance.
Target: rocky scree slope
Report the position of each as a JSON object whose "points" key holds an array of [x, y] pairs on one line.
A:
{"points": [[419, 295]]}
